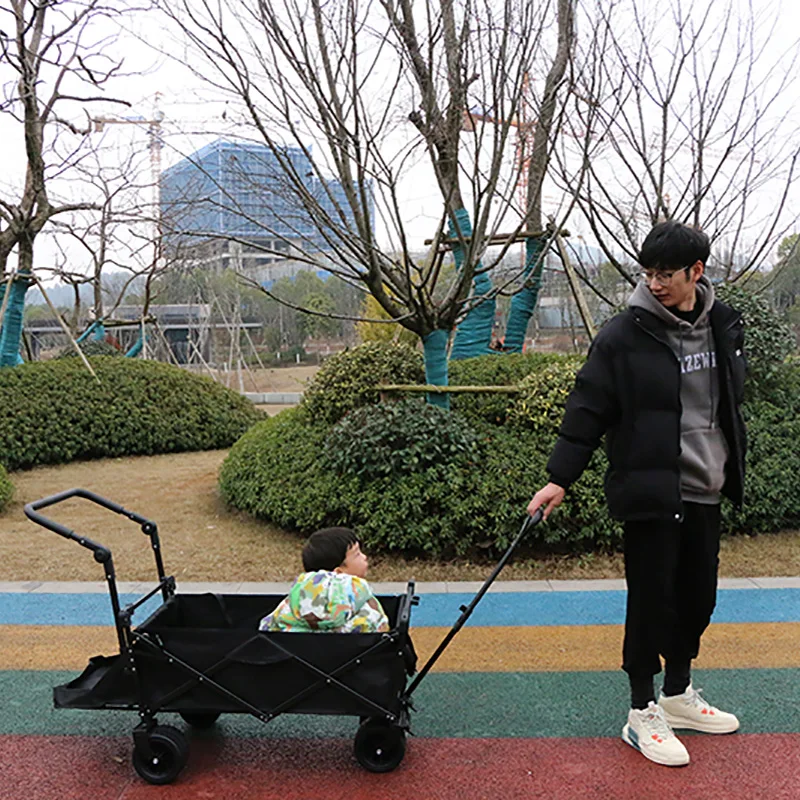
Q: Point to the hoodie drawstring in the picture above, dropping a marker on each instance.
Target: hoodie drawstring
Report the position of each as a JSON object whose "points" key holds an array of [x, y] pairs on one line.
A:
{"points": [[711, 355]]}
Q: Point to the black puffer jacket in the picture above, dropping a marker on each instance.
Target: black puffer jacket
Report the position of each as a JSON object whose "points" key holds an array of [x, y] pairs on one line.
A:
{"points": [[629, 390]]}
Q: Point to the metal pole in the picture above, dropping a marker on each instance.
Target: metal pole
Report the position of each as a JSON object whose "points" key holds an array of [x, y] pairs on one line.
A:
{"points": [[65, 328]]}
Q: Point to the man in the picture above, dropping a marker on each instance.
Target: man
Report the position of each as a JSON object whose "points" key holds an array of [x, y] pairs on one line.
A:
{"points": [[663, 382]]}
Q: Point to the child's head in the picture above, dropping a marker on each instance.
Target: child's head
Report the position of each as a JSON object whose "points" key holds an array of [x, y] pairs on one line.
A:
{"points": [[335, 550]]}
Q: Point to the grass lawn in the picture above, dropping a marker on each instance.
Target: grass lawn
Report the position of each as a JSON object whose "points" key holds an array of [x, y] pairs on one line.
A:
{"points": [[203, 541]]}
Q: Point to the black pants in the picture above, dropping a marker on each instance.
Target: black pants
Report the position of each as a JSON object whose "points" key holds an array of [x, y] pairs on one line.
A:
{"points": [[671, 571]]}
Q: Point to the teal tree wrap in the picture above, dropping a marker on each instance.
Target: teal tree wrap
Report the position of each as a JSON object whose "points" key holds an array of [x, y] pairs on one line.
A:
{"points": [[11, 334], [137, 346], [435, 347], [524, 302], [474, 334]]}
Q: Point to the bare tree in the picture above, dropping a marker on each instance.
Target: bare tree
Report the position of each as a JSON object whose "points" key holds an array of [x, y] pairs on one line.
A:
{"points": [[682, 111], [121, 235], [53, 53], [383, 90]]}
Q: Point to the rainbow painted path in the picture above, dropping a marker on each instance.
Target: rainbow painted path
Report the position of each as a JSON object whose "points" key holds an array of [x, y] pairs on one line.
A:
{"points": [[527, 702]]}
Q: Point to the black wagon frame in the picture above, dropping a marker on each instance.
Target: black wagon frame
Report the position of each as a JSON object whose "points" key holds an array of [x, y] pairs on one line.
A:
{"points": [[202, 655]]}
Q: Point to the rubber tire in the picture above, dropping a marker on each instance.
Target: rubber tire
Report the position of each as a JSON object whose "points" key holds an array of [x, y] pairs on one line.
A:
{"points": [[171, 750], [200, 719], [379, 746]]}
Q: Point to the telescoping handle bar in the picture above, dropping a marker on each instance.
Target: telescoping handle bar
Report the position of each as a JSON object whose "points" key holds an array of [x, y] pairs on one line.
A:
{"points": [[101, 553], [466, 611]]}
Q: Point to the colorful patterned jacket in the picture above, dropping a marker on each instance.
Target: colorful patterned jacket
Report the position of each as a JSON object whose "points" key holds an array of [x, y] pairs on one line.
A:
{"points": [[328, 601]]}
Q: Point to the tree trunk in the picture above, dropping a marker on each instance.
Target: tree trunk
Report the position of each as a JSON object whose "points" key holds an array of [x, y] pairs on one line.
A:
{"points": [[524, 302], [435, 348], [474, 334], [11, 334]]}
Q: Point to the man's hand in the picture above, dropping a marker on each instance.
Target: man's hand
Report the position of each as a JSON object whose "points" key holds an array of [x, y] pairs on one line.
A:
{"points": [[550, 497]]}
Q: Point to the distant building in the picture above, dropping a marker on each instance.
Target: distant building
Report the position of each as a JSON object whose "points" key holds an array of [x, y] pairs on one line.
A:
{"points": [[241, 190]]}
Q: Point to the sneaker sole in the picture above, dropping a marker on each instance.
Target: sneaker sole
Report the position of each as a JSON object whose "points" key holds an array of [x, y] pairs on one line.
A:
{"points": [[689, 725], [663, 762]]}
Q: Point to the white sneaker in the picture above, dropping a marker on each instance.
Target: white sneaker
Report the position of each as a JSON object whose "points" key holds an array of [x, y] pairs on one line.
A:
{"points": [[649, 733], [690, 710]]}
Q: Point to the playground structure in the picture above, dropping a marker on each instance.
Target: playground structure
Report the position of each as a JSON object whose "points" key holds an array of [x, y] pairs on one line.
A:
{"points": [[200, 337]]}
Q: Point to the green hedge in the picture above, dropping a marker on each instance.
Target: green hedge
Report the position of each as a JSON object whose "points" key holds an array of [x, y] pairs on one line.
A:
{"points": [[6, 488], [278, 471], [54, 412], [496, 370], [91, 347], [768, 337], [772, 501], [347, 380], [390, 439], [293, 469]]}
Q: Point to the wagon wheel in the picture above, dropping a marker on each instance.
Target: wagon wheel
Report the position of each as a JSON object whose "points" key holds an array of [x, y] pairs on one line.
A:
{"points": [[200, 719], [379, 745], [168, 757]]}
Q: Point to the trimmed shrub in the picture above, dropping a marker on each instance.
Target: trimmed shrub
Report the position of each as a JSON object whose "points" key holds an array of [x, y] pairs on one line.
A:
{"points": [[301, 474], [347, 380], [543, 396], [54, 412], [6, 488], [275, 472], [495, 370], [768, 338], [392, 439], [90, 347], [772, 501], [278, 471]]}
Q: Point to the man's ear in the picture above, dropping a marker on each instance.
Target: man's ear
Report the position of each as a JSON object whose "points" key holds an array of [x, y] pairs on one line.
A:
{"points": [[697, 269]]}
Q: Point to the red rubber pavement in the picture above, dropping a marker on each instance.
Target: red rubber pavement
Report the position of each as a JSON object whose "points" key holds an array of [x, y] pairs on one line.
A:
{"points": [[737, 767]]}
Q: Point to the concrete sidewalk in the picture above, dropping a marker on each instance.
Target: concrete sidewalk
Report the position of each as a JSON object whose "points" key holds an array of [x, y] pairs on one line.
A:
{"points": [[422, 587]]}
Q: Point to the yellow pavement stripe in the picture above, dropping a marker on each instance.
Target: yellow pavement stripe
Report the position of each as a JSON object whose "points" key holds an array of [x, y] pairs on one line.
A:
{"points": [[567, 648], [478, 649], [54, 646]]}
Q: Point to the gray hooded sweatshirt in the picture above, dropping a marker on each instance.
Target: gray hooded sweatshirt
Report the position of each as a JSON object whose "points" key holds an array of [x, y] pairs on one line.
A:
{"points": [[704, 450]]}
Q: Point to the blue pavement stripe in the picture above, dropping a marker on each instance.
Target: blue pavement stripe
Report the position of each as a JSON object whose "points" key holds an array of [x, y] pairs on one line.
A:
{"points": [[511, 608], [66, 609], [596, 608]]}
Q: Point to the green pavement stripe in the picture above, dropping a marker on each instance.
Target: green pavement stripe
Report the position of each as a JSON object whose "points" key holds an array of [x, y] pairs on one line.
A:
{"points": [[467, 705]]}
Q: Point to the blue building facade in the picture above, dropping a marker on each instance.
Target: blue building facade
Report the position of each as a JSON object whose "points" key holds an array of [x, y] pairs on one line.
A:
{"points": [[241, 190]]}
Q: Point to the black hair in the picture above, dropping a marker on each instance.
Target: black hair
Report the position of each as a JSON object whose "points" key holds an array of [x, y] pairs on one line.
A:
{"points": [[327, 548], [673, 245]]}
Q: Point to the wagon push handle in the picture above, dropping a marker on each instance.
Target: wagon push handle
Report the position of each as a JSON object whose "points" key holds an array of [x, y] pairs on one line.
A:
{"points": [[101, 553], [466, 611]]}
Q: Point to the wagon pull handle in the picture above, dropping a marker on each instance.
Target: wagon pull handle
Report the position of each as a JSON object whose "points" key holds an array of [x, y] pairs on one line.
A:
{"points": [[466, 611]]}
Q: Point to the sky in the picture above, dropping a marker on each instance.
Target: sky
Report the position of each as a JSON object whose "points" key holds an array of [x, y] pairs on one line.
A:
{"points": [[192, 116]]}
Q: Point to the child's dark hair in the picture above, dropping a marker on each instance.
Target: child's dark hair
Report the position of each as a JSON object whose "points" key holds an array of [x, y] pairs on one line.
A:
{"points": [[673, 245], [327, 549]]}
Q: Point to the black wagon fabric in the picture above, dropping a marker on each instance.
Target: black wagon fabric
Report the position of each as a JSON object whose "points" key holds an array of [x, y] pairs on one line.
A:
{"points": [[217, 636]]}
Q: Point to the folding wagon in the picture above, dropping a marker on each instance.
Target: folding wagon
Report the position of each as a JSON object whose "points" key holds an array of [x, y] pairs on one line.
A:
{"points": [[202, 655]]}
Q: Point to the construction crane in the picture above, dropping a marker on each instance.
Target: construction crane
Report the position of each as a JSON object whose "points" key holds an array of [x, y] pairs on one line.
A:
{"points": [[155, 143], [525, 126]]}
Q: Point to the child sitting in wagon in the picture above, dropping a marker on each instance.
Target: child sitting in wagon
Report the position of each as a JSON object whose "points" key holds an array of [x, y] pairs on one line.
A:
{"points": [[331, 594]]}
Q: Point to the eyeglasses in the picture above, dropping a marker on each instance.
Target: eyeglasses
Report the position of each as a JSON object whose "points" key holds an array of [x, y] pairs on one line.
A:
{"points": [[660, 276]]}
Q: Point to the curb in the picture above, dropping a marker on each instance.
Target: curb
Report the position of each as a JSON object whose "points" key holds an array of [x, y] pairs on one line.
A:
{"points": [[423, 587]]}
